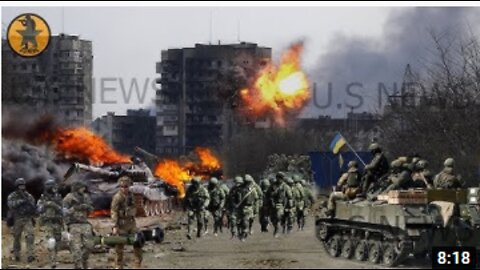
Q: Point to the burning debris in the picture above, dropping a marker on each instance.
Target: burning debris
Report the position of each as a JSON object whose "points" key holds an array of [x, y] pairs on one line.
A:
{"points": [[176, 173], [278, 91]]}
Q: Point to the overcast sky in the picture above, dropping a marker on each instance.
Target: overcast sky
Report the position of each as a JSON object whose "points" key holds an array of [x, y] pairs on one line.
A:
{"points": [[127, 41]]}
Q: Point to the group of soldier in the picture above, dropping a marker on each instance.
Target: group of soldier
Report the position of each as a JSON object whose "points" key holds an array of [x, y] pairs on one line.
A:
{"points": [[279, 200], [71, 213], [380, 176]]}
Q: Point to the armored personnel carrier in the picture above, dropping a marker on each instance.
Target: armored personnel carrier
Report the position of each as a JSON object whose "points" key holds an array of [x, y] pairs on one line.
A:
{"points": [[401, 224]]}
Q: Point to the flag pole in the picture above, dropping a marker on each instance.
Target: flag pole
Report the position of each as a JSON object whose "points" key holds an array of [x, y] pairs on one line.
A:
{"points": [[353, 150]]}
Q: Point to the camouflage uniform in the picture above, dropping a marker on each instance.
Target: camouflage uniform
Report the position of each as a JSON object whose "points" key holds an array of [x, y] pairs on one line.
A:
{"points": [[197, 200], [264, 210], [299, 195], [234, 199], [258, 203], [279, 197], [348, 186], [247, 208], [377, 168], [422, 176], [22, 206], [309, 198], [123, 212], [51, 218], [291, 207], [400, 178], [226, 191], [447, 179], [77, 205], [217, 203]]}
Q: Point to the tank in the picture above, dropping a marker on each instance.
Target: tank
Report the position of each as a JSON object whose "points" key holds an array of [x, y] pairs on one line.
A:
{"points": [[399, 225]]}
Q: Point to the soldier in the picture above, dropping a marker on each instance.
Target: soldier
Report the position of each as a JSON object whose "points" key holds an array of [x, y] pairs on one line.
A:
{"points": [[247, 207], [226, 190], [217, 203], [279, 196], [264, 209], [447, 179], [299, 195], [234, 199], [348, 186], [291, 207], [258, 203], [376, 168], [49, 207], [309, 199], [400, 176], [76, 206], [22, 206], [123, 212], [197, 200], [422, 176]]}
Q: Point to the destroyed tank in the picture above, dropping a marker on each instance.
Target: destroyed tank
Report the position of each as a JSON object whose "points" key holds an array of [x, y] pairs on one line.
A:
{"points": [[102, 185], [400, 224]]}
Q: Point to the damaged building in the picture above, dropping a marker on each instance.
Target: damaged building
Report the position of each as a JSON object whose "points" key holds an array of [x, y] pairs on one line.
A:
{"points": [[58, 81], [125, 132], [189, 110]]}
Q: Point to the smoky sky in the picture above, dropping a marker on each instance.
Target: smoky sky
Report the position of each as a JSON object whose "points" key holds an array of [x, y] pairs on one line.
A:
{"points": [[370, 64], [342, 44]]}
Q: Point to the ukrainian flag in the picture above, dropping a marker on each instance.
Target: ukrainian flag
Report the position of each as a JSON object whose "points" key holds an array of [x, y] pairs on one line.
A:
{"points": [[337, 143]]}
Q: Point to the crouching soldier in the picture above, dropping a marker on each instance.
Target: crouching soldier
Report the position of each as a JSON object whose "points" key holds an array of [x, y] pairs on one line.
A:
{"points": [[348, 187]]}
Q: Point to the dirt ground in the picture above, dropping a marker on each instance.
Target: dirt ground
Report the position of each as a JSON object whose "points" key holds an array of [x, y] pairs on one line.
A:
{"points": [[297, 250]]}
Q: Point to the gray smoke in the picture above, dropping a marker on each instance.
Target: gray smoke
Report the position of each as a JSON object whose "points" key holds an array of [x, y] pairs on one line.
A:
{"points": [[406, 40]]}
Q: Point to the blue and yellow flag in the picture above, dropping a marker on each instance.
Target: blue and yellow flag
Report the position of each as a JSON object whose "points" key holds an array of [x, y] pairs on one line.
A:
{"points": [[337, 143]]}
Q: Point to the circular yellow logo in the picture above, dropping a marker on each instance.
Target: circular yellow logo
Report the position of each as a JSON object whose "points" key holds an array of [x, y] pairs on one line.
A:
{"points": [[28, 35]]}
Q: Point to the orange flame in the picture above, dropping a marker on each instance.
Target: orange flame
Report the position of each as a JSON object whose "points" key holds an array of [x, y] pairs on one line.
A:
{"points": [[176, 173], [81, 143], [278, 90], [207, 159], [100, 213]]}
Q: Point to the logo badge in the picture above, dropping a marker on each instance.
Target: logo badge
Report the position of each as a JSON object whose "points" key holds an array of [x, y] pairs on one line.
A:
{"points": [[28, 35]]}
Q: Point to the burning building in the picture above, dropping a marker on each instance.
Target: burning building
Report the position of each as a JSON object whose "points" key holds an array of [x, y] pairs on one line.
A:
{"points": [[190, 110]]}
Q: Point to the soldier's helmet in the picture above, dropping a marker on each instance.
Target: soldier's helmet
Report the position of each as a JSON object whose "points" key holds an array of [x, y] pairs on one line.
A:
{"points": [[78, 185], [214, 181], [297, 178], [49, 184], [449, 162], [289, 181], [249, 178], [396, 164], [124, 181], [303, 182], [196, 180], [136, 160], [280, 176], [20, 182], [421, 164], [374, 147], [352, 164], [238, 180], [265, 183]]}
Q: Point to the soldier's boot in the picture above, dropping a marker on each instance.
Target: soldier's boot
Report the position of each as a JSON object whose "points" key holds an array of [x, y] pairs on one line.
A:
{"points": [[118, 257], [85, 263], [275, 231], [250, 227], [189, 233], [199, 230], [137, 252]]}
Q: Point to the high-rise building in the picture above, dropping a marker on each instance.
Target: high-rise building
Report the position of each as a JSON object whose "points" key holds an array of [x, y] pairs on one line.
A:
{"points": [[58, 81], [190, 111]]}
